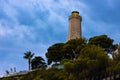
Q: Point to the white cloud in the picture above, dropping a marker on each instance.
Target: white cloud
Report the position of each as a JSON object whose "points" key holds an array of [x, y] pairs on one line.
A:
{"points": [[17, 32], [19, 35], [51, 6], [56, 17], [9, 11], [3, 31]]}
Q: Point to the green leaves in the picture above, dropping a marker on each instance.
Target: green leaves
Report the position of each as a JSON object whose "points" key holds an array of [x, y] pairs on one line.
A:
{"points": [[28, 55], [54, 53], [38, 62], [91, 61], [69, 50], [103, 41]]}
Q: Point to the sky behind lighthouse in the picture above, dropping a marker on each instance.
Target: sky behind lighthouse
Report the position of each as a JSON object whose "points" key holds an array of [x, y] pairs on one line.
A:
{"points": [[34, 25]]}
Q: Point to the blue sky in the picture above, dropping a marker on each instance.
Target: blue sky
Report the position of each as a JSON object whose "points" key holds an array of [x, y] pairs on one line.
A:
{"points": [[36, 24]]}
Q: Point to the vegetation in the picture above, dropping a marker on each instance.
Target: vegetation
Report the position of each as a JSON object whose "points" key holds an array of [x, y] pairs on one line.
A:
{"points": [[38, 62], [81, 60], [28, 55], [92, 61], [54, 53], [42, 74], [69, 50], [103, 41]]}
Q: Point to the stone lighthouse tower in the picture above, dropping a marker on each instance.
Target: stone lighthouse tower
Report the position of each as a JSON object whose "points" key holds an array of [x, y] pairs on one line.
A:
{"points": [[74, 26]]}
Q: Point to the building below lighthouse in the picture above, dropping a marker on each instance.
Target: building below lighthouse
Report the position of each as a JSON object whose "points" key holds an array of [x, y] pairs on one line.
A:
{"points": [[74, 28]]}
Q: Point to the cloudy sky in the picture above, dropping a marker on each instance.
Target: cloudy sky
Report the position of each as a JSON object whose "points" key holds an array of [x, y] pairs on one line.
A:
{"points": [[36, 24]]}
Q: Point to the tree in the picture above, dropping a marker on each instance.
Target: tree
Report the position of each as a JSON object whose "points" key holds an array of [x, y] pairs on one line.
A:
{"points": [[54, 53], [93, 52], [28, 55], [38, 62], [91, 61], [103, 41], [72, 48], [69, 50], [7, 72], [116, 55]]}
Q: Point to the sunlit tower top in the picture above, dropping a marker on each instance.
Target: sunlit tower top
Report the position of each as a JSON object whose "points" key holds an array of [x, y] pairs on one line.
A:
{"points": [[74, 30]]}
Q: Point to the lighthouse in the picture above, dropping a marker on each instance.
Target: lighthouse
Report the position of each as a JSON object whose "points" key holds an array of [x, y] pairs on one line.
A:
{"points": [[74, 28]]}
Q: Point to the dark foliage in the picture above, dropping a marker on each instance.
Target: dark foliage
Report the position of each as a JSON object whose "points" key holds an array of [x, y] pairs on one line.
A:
{"points": [[38, 62]]}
